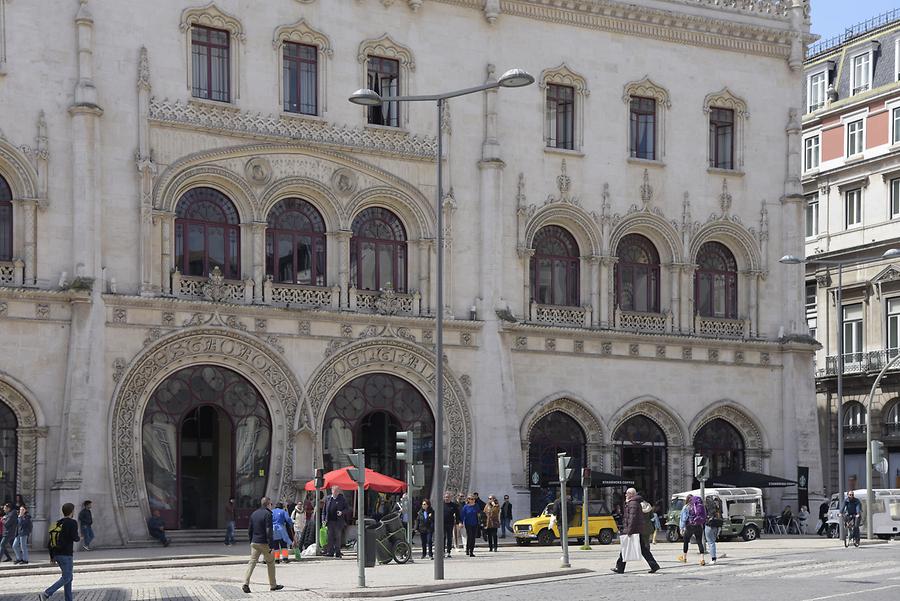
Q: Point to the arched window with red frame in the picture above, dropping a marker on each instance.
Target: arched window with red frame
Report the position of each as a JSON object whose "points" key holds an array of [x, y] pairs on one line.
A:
{"points": [[295, 243], [715, 283], [207, 234], [378, 250], [637, 275], [6, 221], [555, 267]]}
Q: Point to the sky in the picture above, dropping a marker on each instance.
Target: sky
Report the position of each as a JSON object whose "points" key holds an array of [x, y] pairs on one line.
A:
{"points": [[831, 17]]}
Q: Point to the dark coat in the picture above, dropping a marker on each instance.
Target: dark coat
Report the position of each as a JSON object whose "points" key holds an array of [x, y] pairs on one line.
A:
{"points": [[25, 525], [506, 511], [10, 524], [332, 506], [425, 521], [633, 519], [451, 513], [260, 528]]}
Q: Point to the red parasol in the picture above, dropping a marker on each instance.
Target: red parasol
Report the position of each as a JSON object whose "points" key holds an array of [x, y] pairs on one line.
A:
{"points": [[374, 481]]}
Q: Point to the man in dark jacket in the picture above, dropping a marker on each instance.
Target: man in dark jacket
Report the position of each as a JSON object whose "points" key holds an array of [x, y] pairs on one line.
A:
{"points": [[570, 510], [823, 518], [62, 553], [86, 522], [157, 528], [335, 519], [451, 517], [259, 531], [10, 524], [635, 522], [505, 517]]}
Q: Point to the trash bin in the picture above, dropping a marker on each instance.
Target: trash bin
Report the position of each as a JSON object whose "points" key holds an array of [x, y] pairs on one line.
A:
{"points": [[372, 529], [392, 522]]}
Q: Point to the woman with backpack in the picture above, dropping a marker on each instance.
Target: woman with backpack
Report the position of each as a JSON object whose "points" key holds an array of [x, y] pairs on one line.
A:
{"points": [[694, 523], [714, 523]]}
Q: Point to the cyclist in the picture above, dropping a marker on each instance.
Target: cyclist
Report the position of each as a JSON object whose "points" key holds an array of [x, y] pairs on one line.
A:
{"points": [[851, 514]]}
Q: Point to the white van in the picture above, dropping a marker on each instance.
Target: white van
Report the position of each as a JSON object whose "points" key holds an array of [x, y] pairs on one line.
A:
{"points": [[742, 512], [886, 516]]}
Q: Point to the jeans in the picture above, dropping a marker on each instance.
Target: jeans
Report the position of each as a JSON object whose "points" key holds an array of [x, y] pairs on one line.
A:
{"points": [[504, 526], [695, 531], [20, 548], [449, 531], [229, 533], [5, 543], [65, 580], [711, 534], [427, 543], [491, 534], [87, 535], [471, 537], [335, 530]]}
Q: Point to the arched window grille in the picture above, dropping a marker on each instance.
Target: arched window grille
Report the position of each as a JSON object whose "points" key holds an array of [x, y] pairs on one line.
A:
{"points": [[854, 418], [892, 421], [295, 243], [637, 275], [555, 267], [378, 250], [8, 453], [207, 234], [722, 444], [6, 221], [715, 283]]}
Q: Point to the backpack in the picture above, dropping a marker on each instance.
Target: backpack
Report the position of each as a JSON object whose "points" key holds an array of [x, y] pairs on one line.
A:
{"points": [[53, 536], [697, 515]]}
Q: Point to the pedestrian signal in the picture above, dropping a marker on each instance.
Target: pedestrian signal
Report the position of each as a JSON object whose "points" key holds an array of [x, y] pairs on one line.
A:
{"points": [[701, 468], [564, 470], [357, 471], [405, 446]]}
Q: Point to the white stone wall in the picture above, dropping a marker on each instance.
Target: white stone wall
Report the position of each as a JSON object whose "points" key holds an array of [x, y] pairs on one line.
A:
{"points": [[89, 215]]}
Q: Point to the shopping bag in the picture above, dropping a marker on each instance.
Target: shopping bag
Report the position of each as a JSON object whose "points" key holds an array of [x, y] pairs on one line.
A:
{"points": [[323, 536], [552, 521], [309, 551], [631, 547]]}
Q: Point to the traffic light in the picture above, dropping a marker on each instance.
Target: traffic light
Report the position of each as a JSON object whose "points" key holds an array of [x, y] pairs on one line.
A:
{"points": [[418, 475], [586, 477], [405, 446], [319, 478], [701, 468], [357, 471], [878, 459], [564, 470]]}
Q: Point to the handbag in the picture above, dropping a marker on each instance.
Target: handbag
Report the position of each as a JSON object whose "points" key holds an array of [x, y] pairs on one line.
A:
{"points": [[631, 547]]}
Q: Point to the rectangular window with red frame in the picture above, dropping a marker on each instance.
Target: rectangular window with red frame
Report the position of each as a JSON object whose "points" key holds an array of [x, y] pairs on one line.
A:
{"points": [[643, 128], [721, 138], [561, 117], [300, 78], [210, 64], [384, 79]]}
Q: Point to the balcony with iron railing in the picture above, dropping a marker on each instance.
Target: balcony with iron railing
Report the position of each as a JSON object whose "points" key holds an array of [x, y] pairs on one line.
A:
{"points": [[855, 31], [862, 362]]}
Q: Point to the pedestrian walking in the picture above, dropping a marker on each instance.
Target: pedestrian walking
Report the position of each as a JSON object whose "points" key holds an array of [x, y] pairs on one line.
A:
{"points": [[229, 523], [468, 515], [281, 539], [823, 518], [802, 519], [298, 516], [694, 523], [259, 531], [20, 544], [61, 541], [156, 527], [636, 520], [506, 517], [714, 523], [425, 528], [10, 523], [451, 521], [459, 532], [491, 522], [86, 525], [402, 507], [335, 508]]}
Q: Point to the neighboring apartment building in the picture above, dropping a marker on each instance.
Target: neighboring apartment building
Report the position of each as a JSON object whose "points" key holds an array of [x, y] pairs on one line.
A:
{"points": [[851, 179], [217, 273]]}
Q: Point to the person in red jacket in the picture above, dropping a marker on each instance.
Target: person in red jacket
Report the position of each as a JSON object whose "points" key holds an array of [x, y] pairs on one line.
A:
{"points": [[636, 521]]}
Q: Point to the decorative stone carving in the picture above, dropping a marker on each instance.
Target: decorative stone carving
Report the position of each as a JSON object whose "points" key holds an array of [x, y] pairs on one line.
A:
{"points": [[764, 358], [550, 344], [153, 335], [413, 363], [465, 338], [687, 353], [168, 319], [713, 354], [670, 427], [491, 10], [4, 308], [29, 433], [234, 349], [466, 382], [521, 342], [215, 289], [725, 99], [646, 190], [42, 311], [303, 328], [428, 336], [739, 357], [258, 170], [387, 302], [577, 410], [118, 369], [634, 350], [646, 88], [261, 325], [578, 346], [564, 185], [737, 417], [344, 182], [606, 348], [120, 315], [346, 330], [660, 351]]}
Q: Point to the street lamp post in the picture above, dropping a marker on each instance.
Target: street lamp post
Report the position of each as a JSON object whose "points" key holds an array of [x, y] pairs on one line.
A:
{"points": [[514, 78], [870, 493], [793, 260]]}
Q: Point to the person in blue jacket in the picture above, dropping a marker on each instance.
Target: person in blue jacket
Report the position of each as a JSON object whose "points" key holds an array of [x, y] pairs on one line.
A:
{"points": [[281, 538], [468, 516]]}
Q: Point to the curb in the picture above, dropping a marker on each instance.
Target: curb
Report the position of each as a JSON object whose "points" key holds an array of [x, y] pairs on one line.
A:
{"points": [[446, 586]]}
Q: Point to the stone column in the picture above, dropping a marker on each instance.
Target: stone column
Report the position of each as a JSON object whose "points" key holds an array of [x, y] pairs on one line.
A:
{"points": [[146, 170], [675, 294], [593, 263], [258, 232], [607, 291], [525, 255], [688, 301], [342, 242], [426, 246], [751, 278], [29, 214]]}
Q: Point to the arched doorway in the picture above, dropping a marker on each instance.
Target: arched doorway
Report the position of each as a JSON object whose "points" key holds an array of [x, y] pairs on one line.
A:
{"points": [[722, 444], [643, 456], [554, 433], [206, 438], [9, 445], [367, 412]]}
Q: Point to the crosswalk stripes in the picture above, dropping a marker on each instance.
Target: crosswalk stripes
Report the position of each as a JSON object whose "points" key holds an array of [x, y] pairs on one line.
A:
{"points": [[794, 569], [869, 570]]}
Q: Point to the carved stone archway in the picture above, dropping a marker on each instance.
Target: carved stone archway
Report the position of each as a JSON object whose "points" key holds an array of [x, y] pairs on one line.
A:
{"points": [[576, 409], [29, 436], [207, 344], [747, 427], [414, 363]]}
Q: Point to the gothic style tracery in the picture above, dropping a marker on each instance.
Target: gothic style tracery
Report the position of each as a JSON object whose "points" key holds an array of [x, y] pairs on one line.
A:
{"points": [[207, 234], [555, 267], [378, 251], [722, 444], [715, 282], [6, 221], [295, 243], [637, 275]]}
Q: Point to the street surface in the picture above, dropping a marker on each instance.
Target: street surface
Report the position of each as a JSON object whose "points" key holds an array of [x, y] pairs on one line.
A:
{"points": [[777, 568]]}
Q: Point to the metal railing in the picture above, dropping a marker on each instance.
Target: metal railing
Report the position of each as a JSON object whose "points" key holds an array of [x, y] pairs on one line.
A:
{"points": [[854, 32], [860, 363]]}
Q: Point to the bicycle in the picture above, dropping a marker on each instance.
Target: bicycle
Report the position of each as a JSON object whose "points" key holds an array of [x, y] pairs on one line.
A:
{"points": [[851, 530]]}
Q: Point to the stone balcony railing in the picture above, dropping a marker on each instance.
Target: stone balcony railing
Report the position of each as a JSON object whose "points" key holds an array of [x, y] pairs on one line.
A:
{"points": [[556, 315], [385, 302], [213, 288], [657, 323], [721, 328], [296, 295], [12, 273]]}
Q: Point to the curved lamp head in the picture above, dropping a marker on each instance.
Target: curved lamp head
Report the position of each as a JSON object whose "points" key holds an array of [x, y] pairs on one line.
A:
{"points": [[515, 78], [891, 253], [791, 260], [366, 97]]}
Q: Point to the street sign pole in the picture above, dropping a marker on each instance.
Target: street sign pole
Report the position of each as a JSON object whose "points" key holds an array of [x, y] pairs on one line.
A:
{"points": [[358, 474], [406, 452], [585, 519], [409, 508], [319, 482], [564, 472]]}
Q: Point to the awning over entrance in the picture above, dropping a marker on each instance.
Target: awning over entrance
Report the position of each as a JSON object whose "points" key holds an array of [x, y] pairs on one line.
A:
{"points": [[741, 479], [604, 480], [374, 481]]}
